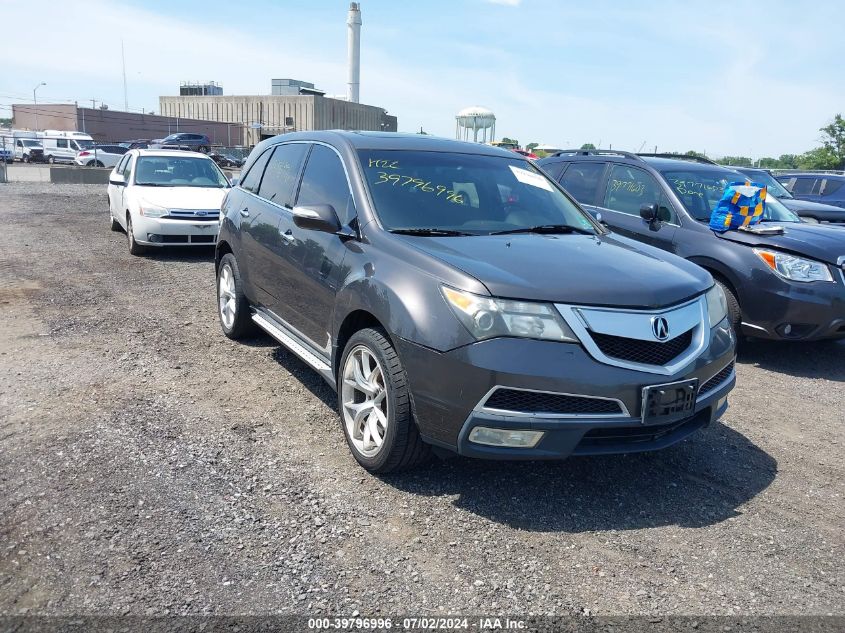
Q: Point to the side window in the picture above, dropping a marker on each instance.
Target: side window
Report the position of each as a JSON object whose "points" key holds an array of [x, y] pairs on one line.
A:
{"points": [[628, 188], [324, 182], [61, 143], [582, 181], [252, 178], [803, 185], [280, 177], [830, 186], [127, 168], [122, 164]]}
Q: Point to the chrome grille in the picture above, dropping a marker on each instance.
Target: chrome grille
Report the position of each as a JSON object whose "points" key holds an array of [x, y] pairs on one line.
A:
{"points": [[193, 214], [645, 352]]}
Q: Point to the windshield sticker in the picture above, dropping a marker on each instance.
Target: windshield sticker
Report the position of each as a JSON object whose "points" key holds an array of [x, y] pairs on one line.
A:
{"points": [[530, 178], [420, 185]]}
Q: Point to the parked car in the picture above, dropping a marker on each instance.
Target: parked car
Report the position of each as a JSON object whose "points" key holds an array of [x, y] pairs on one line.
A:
{"points": [[456, 297], [140, 143], [824, 188], [7, 154], [522, 152], [788, 285], [62, 147], [184, 140], [101, 156], [808, 211], [29, 150], [166, 198], [226, 160]]}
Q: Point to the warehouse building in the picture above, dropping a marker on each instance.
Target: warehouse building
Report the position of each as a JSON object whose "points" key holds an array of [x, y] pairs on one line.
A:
{"points": [[294, 106], [114, 125]]}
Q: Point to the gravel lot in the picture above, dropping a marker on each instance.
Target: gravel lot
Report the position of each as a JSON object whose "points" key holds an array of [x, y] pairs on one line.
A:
{"points": [[149, 465]]}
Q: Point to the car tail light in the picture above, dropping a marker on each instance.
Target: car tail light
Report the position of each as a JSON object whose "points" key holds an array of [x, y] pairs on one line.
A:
{"points": [[84, 153]]}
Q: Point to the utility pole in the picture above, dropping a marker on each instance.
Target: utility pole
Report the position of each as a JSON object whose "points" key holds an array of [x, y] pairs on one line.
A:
{"points": [[123, 61], [35, 103]]}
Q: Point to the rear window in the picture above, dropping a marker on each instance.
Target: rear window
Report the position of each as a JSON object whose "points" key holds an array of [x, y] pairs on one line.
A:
{"points": [[831, 186]]}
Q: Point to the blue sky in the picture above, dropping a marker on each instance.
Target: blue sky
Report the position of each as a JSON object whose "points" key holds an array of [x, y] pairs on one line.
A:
{"points": [[750, 78]]}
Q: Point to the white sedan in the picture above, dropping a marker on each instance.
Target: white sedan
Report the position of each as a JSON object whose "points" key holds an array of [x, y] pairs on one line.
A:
{"points": [[166, 198], [100, 156]]}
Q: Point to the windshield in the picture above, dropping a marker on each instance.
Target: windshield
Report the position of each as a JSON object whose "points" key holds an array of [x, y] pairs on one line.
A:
{"points": [[177, 171], [701, 190], [27, 143], [466, 194]]}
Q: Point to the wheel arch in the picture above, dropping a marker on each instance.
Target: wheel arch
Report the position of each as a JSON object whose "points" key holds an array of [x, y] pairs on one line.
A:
{"points": [[353, 322]]}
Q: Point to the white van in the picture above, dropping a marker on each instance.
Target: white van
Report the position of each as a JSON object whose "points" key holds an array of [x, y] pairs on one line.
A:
{"points": [[26, 146], [62, 147]]}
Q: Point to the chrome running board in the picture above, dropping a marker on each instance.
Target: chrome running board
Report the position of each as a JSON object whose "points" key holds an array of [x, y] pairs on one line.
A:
{"points": [[292, 344]]}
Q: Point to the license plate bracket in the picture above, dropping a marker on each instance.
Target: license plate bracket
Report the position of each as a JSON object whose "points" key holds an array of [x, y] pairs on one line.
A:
{"points": [[670, 402]]}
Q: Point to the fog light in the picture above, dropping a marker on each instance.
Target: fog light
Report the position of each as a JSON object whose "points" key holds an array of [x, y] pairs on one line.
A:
{"points": [[505, 437]]}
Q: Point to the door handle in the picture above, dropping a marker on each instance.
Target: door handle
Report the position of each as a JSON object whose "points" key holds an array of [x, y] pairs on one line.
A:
{"points": [[287, 235], [244, 213]]}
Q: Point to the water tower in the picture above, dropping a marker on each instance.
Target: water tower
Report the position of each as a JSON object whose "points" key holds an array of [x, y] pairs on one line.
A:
{"points": [[475, 119]]}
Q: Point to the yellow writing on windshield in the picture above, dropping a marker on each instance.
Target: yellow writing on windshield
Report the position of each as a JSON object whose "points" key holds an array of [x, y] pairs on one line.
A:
{"points": [[383, 164], [420, 185]]}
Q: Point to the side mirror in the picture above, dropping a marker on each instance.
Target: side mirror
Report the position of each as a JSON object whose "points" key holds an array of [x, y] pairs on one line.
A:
{"points": [[648, 212], [117, 179], [600, 219], [316, 217]]}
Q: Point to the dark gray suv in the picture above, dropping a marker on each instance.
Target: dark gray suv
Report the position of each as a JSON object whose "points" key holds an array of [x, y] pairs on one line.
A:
{"points": [[456, 297], [784, 283]]}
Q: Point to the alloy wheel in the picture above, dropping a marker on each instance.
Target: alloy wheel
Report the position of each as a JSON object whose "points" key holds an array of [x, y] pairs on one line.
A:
{"points": [[226, 297], [364, 401]]}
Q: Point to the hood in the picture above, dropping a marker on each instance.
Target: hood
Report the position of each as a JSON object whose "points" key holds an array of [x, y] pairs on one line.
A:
{"points": [[604, 270], [794, 204], [818, 241], [183, 197]]}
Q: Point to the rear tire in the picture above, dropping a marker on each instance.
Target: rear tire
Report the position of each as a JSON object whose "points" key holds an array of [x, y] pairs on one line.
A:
{"points": [[134, 248], [375, 405], [204, 149], [232, 305], [114, 225], [51, 160]]}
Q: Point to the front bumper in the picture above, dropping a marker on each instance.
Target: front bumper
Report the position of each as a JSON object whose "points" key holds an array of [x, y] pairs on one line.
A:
{"points": [[773, 308], [449, 389], [168, 232]]}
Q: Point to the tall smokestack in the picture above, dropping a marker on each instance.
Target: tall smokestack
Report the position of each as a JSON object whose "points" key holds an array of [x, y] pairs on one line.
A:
{"points": [[353, 41]]}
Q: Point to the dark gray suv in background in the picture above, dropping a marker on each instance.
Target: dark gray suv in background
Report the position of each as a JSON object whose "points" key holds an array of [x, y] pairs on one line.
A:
{"points": [[456, 297], [784, 285]]}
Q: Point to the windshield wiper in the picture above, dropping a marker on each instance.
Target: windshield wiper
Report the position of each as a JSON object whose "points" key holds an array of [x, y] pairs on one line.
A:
{"points": [[546, 228], [430, 232]]}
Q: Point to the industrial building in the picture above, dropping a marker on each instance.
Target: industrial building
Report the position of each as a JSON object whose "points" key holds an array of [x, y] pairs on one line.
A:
{"points": [[293, 106], [194, 88], [114, 125]]}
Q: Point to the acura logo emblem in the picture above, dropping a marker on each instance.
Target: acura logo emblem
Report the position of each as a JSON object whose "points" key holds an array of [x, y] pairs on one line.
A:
{"points": [[660, 328]]}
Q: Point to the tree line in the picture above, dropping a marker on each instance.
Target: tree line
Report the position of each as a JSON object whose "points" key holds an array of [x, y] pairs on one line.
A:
{"points": [[829, 155]]}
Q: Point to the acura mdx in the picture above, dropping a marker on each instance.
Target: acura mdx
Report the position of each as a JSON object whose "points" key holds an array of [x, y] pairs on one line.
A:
{"points": [[455, 297]]}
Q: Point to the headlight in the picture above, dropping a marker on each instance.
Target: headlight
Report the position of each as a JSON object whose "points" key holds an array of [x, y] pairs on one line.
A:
{"points": [[151, 210], [717, 305], [794, 268], [487, 317]]}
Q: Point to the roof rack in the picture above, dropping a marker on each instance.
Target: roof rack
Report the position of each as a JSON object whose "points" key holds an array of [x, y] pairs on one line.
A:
{"points": [[690, 157], [597, 152]]}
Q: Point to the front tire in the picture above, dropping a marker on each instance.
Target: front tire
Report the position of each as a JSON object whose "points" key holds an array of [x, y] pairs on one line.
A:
{"points": [[375, 405], [734, 310], [134, 248], [232, 305], [51, 160]]}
